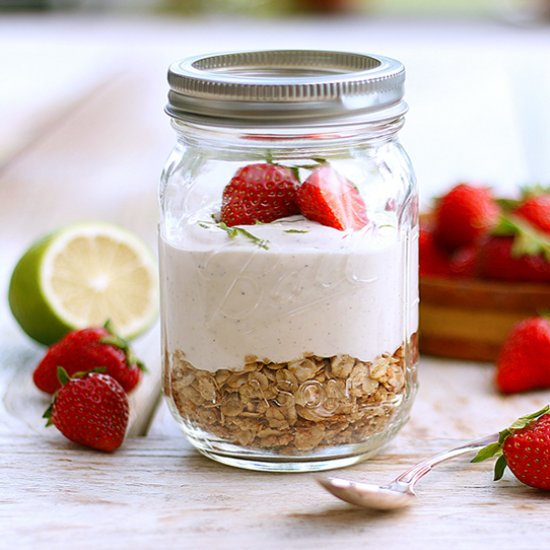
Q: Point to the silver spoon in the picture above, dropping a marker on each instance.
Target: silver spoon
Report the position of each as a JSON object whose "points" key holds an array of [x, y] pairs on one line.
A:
{"points": [[399, 492]]}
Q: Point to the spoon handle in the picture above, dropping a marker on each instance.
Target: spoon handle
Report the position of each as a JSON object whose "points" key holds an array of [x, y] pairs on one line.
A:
{"points": [[411, 476]]}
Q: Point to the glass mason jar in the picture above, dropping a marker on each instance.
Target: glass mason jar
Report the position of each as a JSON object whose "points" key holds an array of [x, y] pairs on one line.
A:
{"points": [[288, 258]]}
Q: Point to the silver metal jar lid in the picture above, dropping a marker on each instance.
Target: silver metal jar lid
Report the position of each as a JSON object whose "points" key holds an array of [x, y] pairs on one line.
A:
{"points": [[285, 87]]}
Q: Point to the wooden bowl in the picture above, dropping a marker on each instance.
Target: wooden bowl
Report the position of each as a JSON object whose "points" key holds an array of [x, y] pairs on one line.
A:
{"points": [[469, 319]]}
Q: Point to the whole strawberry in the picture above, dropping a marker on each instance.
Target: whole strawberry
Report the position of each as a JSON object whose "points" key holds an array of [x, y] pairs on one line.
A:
{"points": [[536, 210], [524, 360], [463, 215], [329, 198], [525, 448], [259, 193], [91, 409], [84, 350]]}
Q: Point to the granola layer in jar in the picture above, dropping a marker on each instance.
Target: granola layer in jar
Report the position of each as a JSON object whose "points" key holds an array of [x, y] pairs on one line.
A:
{"points": [[295, 407]]}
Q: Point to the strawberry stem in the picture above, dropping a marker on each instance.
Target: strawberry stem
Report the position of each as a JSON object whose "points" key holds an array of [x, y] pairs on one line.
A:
{"points": [[115, 340], [109, 327]]}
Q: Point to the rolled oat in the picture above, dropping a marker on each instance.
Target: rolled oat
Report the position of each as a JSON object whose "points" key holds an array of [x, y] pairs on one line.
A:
{"points": [[292, 407]]}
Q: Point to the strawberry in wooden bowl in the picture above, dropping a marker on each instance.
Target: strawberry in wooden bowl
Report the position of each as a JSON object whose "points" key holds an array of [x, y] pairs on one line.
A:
{"points": [[484, 266]]}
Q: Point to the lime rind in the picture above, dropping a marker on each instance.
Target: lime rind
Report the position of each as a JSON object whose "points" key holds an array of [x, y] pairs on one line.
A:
{"points": [[27, 301], [40, 310]]}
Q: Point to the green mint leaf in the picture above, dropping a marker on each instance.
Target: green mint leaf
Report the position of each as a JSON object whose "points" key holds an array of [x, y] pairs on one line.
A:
{"points": [[235, 231], [296, 231], [231, 231], [262, 243], [500, 466]]}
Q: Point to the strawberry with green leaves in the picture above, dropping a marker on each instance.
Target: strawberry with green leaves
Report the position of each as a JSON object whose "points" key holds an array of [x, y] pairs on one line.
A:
{"points": [[84, 350], [515, 251], [90, 409], [524, 447]]}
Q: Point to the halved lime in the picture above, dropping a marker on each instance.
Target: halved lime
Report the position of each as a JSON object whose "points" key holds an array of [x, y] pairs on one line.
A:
{"points": [[82, 275]]}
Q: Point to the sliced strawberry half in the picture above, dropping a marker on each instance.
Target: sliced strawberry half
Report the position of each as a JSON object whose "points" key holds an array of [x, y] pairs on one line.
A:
{"points": [[331, 199]]}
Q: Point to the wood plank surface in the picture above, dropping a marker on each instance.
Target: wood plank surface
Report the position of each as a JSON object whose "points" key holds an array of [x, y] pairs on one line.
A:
{"points": [[156, 493]]}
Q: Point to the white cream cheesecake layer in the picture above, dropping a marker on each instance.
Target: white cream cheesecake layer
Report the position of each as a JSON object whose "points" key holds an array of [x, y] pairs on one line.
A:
{"points": [[314, 290]]}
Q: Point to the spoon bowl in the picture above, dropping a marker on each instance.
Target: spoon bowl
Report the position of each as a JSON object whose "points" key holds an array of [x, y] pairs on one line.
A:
{"points": [[367, 495], [399, 493]]}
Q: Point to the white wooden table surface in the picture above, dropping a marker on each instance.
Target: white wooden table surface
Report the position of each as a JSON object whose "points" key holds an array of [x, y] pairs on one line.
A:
{"points": [[83, 135]]}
